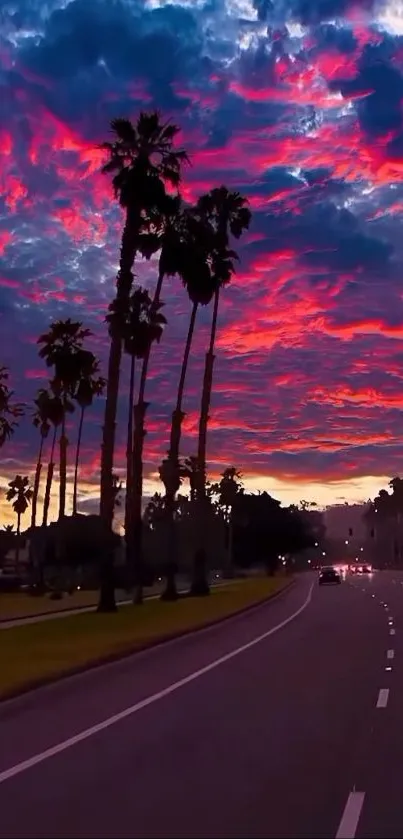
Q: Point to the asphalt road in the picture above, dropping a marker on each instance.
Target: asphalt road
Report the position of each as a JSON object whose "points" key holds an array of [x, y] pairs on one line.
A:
{"points": [[226, 733]]}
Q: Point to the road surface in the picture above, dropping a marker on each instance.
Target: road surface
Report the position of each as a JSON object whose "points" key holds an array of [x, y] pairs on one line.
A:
{"points": [[286, 722]]}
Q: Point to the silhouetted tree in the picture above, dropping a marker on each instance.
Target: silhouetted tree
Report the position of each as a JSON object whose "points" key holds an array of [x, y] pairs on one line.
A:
{"points": [[62, 349], [19, 494], [142, 159], [89, 385], [10, 411], [227, 216], [41, 420], [228, 490]]}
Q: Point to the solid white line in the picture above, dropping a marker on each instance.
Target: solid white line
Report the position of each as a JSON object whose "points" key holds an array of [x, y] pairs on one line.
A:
{"points": [[383, 697], [350, 818], [391, 654], [128, 712]]}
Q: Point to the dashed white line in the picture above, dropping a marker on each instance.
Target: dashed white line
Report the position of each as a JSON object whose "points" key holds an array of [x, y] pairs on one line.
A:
{"points": [[350, 818], [18, 768], [383, 697], [390, 654]]}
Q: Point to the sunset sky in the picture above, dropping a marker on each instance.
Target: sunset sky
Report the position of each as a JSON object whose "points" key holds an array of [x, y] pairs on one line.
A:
{"points": [[299, 105]]}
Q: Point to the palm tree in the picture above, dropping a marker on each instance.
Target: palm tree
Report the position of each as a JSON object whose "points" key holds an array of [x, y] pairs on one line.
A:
{"points": [[142, 159], [139, 325], [229, 489], [226, 214], [190, 258], [62, 348], [188, 254], [9, 410], [56, 412], [40, 420], [20, 494], [89, 385]]}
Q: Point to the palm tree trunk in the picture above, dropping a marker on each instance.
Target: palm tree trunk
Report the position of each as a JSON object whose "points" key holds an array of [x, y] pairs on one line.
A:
{"points": [[172, 481], [123, 289], [178, 415], [129, 461], [107, 602], [206, 396], [138, 445], [77, 460], [49, 479], [63, 443], [35, 493], [200, 584], [17, 547]]}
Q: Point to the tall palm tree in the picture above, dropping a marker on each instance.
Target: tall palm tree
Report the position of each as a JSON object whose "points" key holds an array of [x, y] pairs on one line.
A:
{"points": [[227, 215], [190, 258], [62, 349], [89, 386], [56, 412], [41, 420], [20, 494], [139, 325], [10, 411], [229, 489], [142, 159]]}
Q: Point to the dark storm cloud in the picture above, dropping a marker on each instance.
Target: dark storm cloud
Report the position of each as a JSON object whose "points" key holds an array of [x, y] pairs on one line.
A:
{"points": [[380, 84], [80, 36], [311, 12], [326, 236], [264, 8]]}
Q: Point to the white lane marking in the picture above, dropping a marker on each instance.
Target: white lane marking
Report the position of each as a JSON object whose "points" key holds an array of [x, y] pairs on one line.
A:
{"points": [[350, 818], [390, 654], [155, 697], [383, 697], [392, 632]]}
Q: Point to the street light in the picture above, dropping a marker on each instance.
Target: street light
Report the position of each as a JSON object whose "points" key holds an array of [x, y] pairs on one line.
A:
{"points": [[361, 549], [346, 542], [323, 553]]}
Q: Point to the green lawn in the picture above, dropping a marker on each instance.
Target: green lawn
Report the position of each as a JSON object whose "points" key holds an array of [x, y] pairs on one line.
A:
{"points": [[29, 654]]}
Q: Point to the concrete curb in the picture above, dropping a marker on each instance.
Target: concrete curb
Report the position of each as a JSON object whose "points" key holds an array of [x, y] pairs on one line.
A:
{"points": [[159, 641], [69, 610]]}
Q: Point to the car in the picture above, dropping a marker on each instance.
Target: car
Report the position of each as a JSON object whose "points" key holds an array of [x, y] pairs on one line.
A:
{"points": [[363, 569], [329, 575]]}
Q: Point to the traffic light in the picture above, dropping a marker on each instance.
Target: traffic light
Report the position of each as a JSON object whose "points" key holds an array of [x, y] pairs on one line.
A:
{"points": [[350, 531], [372, 533]]}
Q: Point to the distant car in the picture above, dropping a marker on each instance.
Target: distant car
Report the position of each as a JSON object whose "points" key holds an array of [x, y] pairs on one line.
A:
{"points": [[329, 575], [364, 569]]}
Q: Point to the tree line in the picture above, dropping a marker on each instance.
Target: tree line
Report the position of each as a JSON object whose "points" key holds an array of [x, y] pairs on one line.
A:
{"points": [[194, 243]]}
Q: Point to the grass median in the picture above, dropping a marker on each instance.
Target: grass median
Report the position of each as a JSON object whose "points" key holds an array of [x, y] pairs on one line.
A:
{"points": [[33, 654], [22, 605]]}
